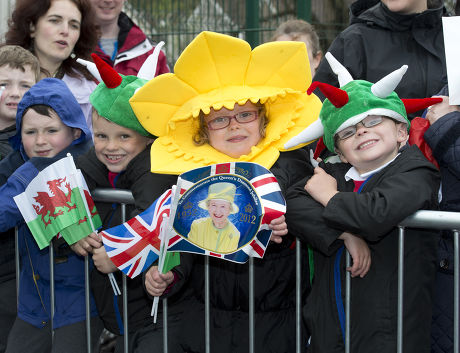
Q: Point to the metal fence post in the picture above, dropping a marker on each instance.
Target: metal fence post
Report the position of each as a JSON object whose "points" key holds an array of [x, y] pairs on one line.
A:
{"points": [[252, 22], [51, 253], [347, 303], [251, 305], [399, 341], [87, 307], [298, 296], [304, 10], [125, 294], [456, 290]]}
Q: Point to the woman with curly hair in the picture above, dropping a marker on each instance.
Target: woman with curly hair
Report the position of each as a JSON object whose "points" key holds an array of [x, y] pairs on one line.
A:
{"points": [[57, 32]]}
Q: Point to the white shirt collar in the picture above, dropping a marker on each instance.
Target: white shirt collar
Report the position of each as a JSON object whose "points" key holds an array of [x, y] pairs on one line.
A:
{"points": [[353, 173]]}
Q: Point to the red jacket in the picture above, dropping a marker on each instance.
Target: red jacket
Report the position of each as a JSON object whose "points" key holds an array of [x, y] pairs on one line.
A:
{"points": [[133, 49]]}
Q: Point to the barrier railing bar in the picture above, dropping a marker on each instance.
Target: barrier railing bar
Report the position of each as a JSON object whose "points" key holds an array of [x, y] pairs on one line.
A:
{"points": [[16, 260], [251, 305], [298, 296], [456, 290], [421, 219], [87, 307], [51, 252], [207, 313], [125, 293], [347, 303], [399, 336], [165, 325]]}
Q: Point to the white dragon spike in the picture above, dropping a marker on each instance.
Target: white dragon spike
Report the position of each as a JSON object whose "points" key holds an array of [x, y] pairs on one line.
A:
{"points": [[310, 133], [387, 84], [342, 73], [91, 67], [149, 67]]}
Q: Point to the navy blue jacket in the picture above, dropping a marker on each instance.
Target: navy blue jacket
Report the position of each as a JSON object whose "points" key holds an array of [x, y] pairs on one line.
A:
{"points": [[17, 170], [444, 139]]}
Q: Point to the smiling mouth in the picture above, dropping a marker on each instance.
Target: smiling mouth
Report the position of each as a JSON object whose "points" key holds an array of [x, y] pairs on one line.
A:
{"points": [[113, 158], [367, 144]]}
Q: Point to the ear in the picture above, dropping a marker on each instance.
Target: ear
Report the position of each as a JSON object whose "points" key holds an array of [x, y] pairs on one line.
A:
{"points": [[76, 133], [401, 132], [317, 59], [32, 30], [341, 156]]}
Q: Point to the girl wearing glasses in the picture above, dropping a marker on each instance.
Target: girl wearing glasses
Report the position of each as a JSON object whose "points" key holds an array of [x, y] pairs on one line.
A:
{"points": [[218, 108]]}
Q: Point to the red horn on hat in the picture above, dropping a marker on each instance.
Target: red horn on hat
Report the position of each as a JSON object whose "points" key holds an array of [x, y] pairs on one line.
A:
{"points": [[110, 77], [337, 96], [415, 104]]}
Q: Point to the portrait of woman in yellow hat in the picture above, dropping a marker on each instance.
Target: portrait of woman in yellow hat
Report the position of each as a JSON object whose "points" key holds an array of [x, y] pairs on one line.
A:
{"points": [[216, 232]]}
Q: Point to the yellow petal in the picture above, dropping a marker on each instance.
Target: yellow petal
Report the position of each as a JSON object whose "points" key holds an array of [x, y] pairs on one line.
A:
{"points": [[286, 67], [213, 60], [158, 100]]}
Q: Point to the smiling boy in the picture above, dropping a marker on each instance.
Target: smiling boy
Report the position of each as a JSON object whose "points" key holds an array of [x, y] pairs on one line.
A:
{"points": [[19, 70], [358, 205]]}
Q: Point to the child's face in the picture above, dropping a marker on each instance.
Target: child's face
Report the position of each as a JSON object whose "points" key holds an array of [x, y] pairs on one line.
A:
{"points": [[56, 33], [107, 11], [406, 7], [15, 83], [116, 145], [45, 136], [371, 147], [219, 210], [237, 138]]}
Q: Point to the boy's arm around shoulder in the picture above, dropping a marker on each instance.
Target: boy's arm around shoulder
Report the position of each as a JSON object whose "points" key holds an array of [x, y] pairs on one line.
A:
{"points": [[304, 219], [291, 167], [408, 184]]}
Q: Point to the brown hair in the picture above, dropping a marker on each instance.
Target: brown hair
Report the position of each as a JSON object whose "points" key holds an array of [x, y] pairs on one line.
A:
{"points": [[17, 57], [297, 28], [27, 13], [201, 137]]}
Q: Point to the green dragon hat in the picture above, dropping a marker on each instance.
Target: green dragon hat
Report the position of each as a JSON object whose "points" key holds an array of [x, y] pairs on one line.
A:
{"points": [[111, 97], [354, 100]]}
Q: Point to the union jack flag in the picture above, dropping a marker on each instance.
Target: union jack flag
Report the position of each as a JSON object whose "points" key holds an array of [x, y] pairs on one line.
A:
{"points": [[134, 245], [272, 205]]}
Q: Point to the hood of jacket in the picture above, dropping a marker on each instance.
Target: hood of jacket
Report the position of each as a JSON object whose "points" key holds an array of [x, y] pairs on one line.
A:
{"points": [[375, 13], [54, 93]]}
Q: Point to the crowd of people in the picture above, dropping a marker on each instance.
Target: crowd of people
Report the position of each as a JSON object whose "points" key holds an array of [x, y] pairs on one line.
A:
{"points": [[333, 129]]}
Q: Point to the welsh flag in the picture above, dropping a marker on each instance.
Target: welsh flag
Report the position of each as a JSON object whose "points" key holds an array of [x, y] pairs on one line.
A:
{"points": [[56, 201]]}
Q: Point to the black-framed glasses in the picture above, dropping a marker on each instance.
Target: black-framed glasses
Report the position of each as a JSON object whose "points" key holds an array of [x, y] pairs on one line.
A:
{"points": [[368, 121], [222, 122]]}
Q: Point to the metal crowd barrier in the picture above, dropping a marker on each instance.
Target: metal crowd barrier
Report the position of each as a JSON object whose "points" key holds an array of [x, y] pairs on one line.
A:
{"points": [[422, 219]]}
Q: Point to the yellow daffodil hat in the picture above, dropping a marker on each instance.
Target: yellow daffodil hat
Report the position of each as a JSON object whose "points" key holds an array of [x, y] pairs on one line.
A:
{"points": [[215, 71]]}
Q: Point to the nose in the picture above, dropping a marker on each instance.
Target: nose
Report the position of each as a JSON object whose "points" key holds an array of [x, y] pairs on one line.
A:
{"points": [[360, 129], [64, 28], [233, 123], [40, 139], [111, 145], [13, 91]]}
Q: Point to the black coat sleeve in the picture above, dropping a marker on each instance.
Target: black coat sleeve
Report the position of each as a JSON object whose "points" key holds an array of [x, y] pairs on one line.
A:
{"points": [[304, 219]]}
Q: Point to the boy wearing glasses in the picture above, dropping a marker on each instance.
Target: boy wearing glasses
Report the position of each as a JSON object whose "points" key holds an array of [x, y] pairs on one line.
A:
{"points": [[358, 204]]}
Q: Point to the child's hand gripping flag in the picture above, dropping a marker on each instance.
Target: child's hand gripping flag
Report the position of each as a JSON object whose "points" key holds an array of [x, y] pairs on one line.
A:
{"points": [[57, 200]]}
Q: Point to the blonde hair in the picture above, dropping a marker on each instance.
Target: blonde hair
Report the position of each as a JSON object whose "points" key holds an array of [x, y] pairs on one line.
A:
{"points": [[201, 137], [296, 29]]}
